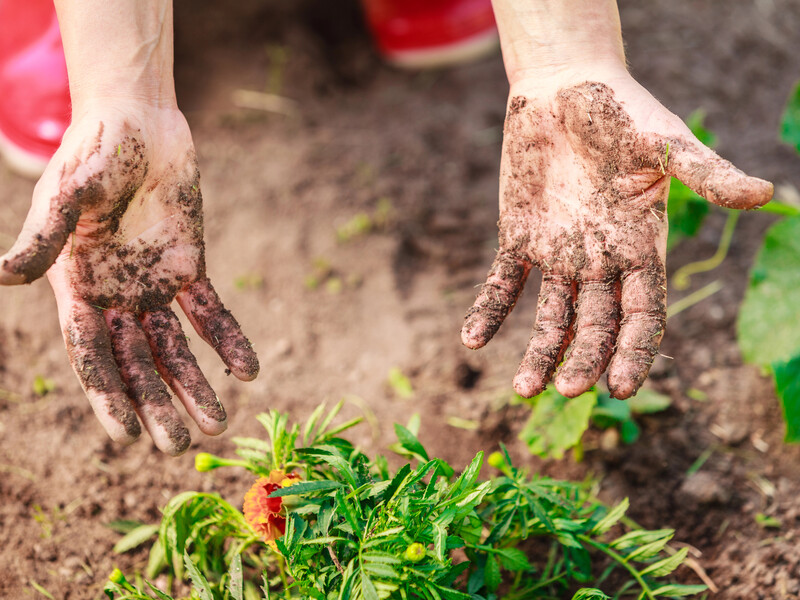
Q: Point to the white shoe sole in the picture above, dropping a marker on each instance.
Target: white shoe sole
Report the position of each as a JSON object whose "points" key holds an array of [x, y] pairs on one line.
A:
{"points": [[21, 162], [464, 51]]}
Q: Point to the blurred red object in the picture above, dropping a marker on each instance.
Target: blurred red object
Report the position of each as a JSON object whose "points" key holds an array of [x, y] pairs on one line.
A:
{"points": [[431, 33], [35, 105]]}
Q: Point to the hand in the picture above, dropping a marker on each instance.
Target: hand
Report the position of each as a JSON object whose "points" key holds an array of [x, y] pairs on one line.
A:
{"points": [[118, 215], [584, 182]]}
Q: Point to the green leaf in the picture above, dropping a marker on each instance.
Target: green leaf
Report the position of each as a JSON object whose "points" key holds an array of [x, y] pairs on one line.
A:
{"points": [[159, 594], [787, 386], [674, 590], [306, 487], [611, 519], [640, 537], [649, 550], [124, 525], [557, 423], [491, 574], [400, 383], [235, 583], [769, 319], [629, 432], [135, 537], [609, 411], [513, 559], [410, 442], [686, 212], [199, 582], [790, 122], [589, 594], [768, 522], [667, 565], [368, 590], [696, 124], [648, 401]]}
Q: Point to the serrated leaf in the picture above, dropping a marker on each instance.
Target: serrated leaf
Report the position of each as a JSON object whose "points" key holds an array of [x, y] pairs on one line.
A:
{"points": [[235, 582], [491, 574], [199, 582], [787, 387], [640, 537], [667, 565], [768, 326], [368, 590], [611, 519], [557, 423], [675, 590], [410, 442], [513, 559], [649, 550], [159, 594], [135, 537], [306, 487], [589, 594]]}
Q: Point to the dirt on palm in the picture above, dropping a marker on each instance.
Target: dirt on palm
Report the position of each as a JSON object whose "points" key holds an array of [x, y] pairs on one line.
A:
{"points": [[329, 319]]}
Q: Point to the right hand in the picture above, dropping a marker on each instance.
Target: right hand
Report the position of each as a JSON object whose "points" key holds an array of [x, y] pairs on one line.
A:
{"points": [[116, 222]]}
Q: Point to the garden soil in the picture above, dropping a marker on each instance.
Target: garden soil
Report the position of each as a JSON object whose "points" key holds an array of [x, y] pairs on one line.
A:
{"points": [[419, 153]]}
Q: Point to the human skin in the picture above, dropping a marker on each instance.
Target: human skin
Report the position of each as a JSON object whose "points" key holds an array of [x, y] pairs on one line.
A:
{"points": [[116, 223], [586, 164]]}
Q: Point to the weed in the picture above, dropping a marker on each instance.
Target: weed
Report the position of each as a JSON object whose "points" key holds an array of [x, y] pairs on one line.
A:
{"points": [[353, 530]]}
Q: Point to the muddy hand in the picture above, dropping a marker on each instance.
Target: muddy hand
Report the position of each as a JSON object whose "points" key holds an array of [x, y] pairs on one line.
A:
{"points": [[584, 182], [117, 224]]}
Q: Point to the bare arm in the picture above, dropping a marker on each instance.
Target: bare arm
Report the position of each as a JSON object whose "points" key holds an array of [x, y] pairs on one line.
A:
{"points": [[587, 159], [117, 224]]}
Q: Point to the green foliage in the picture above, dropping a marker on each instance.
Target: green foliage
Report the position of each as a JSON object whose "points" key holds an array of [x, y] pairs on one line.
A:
{"points": [[355, 531], [790, 122], [769, 319], [686, 211], [558, 423]]}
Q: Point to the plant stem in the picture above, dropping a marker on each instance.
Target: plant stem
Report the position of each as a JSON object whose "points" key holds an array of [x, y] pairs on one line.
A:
{"points": [[694, 298], [681, 279], [646, 591]]}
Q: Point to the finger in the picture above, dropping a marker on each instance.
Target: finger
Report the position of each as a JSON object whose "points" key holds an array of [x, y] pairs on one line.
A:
{"points": [[550, 337], [178, 367], [149, 394], [44, 234], [596, 324], [90, 353], [496, 299], [713, 177], [217, 326], [644, 316]]}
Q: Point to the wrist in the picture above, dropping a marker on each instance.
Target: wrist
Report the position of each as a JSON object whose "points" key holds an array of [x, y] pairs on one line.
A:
{"points": [[118, 52], [554, 40]]}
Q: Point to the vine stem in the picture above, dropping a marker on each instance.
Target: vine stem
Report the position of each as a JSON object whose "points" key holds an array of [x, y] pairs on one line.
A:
{"points": [[613, 555], [682, 277]]}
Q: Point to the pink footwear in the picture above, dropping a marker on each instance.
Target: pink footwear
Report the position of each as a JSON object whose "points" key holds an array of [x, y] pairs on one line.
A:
{"points": [[34, 91], [431, 33]]}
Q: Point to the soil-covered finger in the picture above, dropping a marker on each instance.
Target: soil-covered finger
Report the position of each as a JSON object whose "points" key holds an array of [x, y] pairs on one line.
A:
{"points": [[179, 368], [550, 337], [644, 317], [219, 328], [596, 326], [92, 358], [149, 394], [45, 234], [713, 177], [496, 299]]}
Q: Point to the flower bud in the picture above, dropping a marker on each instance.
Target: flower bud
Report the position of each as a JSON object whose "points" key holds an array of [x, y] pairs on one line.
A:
{"points": [[415, 552], [206, 462]]}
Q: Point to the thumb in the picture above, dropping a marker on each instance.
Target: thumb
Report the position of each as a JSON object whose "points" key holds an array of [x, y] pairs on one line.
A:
{"points": [[713, 177], [50, 221]]}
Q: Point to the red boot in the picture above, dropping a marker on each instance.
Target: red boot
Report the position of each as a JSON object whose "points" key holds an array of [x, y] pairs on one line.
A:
{"points": [[431, 33], [34, 91]]}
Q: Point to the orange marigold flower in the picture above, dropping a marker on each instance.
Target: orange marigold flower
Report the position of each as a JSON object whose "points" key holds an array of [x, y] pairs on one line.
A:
{"points": [[265, 514]]}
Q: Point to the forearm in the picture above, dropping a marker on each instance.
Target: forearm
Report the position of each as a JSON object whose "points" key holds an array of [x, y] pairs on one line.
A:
{"points": [[120, 51], [551, 39]]}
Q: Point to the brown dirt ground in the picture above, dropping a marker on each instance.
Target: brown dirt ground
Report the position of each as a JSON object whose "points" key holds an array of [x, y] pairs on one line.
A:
{"points": [[277, 187]]}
